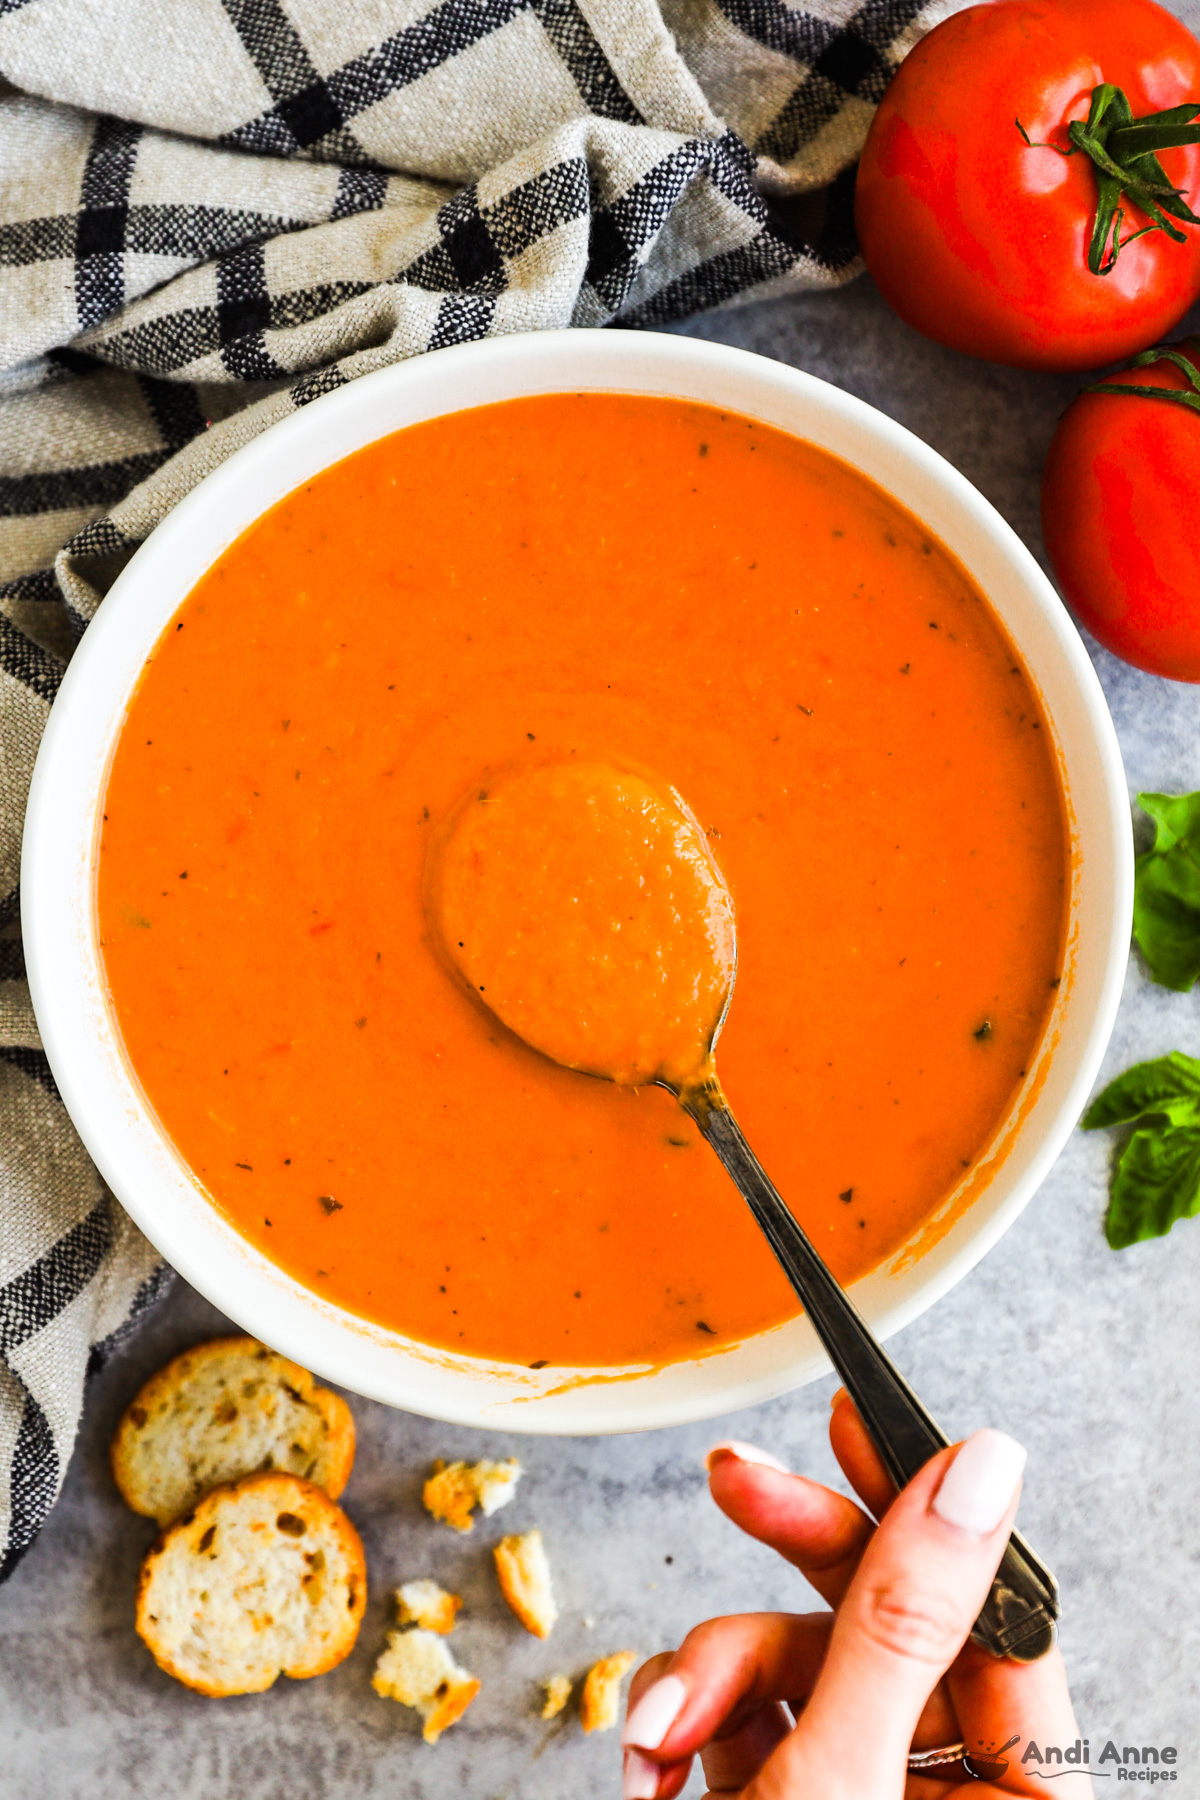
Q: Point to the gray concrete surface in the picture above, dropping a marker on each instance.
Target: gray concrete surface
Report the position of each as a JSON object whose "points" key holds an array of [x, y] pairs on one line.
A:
{"points": [[1093, 1359]]}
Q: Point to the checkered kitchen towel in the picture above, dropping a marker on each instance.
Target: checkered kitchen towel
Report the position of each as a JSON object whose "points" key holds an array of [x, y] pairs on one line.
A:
{"points": [[213, 211]]}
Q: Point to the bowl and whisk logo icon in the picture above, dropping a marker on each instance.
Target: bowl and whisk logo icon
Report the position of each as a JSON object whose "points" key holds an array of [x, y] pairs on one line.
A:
{"points": [[989, 1764]]}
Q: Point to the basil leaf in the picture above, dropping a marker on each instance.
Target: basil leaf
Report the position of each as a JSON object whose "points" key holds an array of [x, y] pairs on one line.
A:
{"points": [[1177, 817], [1166, 893], [1170, 1085], [1157, 1176], [1157, 1182]]}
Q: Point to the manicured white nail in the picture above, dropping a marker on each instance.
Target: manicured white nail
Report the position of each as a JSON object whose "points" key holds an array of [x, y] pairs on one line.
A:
{"points": [[655, 1713], [640, 1781], [978, 1487], [745, 1453]]}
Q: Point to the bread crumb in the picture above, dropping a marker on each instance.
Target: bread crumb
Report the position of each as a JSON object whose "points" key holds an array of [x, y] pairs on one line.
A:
{"points": [[426, 1604], [524, 1575], [558, 1692], [418, 1669], [602, 1690], [455, 1489]]}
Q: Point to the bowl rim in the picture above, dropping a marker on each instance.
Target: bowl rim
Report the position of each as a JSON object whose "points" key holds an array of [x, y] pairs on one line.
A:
{"points": [[66, 971]]}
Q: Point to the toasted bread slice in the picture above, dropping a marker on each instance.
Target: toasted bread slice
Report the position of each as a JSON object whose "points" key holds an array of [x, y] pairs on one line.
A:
{"points": [[418, 1669], [558, 1692], [222, 1410], [524, 1575], [426, 1604], [455, 1489], [601, 1695], [265, 1577]]}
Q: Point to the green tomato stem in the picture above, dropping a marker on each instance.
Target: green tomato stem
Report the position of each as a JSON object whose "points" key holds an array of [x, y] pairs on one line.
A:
{"points": [[1123, 151], [1189, 396]]}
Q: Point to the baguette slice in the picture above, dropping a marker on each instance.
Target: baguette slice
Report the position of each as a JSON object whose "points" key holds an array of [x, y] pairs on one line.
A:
{"points": [[265, 1577], [524, 1576], [602, 1690], [418, 1669], [223, 1410]]}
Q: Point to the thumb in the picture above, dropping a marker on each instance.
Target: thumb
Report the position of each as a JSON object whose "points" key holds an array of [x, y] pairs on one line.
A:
{"points": [[906, 1615]]}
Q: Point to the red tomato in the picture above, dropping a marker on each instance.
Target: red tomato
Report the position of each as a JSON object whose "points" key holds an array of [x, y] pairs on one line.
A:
{"points": [[981, 240], [1120, 501]]}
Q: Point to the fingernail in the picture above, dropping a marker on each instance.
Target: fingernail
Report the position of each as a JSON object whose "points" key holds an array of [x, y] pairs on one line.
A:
{"points": [[640, 1779], [978, 1487], [744, 1453], [655, 1713]]}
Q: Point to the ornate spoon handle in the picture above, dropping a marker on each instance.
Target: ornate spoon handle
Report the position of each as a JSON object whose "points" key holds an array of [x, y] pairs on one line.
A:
{"points": [[1018, 1619]]}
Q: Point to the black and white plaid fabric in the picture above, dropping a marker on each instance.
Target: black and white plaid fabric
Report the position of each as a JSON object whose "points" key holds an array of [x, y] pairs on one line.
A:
{"points": [[213, 211]]}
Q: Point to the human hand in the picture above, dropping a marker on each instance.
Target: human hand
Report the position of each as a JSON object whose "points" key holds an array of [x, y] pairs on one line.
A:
{"points": [[888, 1673]]}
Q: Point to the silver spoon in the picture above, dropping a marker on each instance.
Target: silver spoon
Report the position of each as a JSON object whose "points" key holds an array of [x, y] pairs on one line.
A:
{"points": [[1018, 1619]]}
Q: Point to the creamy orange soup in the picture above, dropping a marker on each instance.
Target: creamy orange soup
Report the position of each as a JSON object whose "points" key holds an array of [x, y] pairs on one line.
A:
{"points": [[644, 583]]}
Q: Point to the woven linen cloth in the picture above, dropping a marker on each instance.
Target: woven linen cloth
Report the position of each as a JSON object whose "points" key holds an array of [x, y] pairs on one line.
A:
{"points": [[214, 211]]}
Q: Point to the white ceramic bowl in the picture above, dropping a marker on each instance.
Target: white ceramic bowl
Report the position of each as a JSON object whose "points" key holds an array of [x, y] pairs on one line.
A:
{"points": [[59, 878]]}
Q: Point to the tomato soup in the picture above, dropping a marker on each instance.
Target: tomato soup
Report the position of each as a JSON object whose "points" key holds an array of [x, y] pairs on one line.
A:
{"points": [[594, 579]]}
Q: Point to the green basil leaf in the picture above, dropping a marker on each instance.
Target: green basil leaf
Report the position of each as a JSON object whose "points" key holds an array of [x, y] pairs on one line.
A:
{"points": [[1168, 1086], [1157, 1182], [1166, 894], [1157, 1175], [1176, 816]]}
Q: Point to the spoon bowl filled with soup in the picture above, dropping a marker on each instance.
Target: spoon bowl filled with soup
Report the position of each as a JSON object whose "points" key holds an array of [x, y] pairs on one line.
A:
{"points": [[553, 617], [583, 905]]}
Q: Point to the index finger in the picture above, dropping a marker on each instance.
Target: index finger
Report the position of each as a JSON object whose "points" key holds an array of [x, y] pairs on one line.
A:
{"points": [[860, 1461]]}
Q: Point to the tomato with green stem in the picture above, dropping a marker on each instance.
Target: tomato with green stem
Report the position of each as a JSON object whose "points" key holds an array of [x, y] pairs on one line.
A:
{"points": [[1025, 192], [1120, 501]]}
